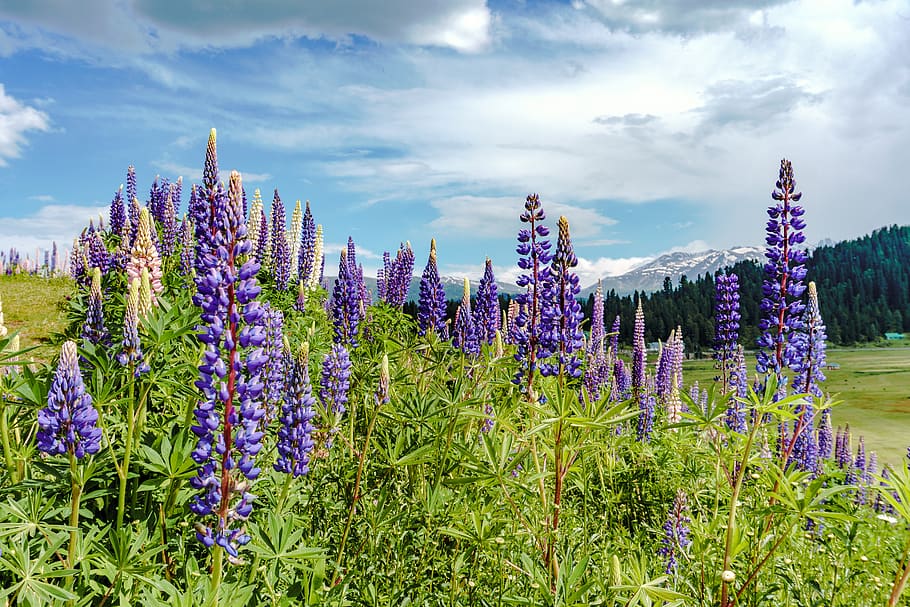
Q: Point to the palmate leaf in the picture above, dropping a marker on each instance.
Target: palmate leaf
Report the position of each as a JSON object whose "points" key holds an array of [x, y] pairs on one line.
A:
{"points": [[31, 576], [279, 541]]}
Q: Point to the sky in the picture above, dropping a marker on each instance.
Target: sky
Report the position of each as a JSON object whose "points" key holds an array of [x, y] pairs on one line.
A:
{"points": [[652, 126]]}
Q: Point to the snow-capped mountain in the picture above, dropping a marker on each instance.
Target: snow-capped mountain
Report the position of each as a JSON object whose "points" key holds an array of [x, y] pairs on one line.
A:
{"points": [[650, 276]]}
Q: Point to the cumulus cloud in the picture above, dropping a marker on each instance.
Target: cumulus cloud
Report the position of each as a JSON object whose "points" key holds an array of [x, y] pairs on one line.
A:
{"points": [[683, 18], [193, 175], [17, 119]]}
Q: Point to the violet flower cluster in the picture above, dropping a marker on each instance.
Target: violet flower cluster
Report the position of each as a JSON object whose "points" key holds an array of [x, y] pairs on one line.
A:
{"points": [[335, 381], [783, 288], [281, 252], [68, 424], [394, 280], [306, 256], [295, 434], [464, 334], [131, 353], [431, 304], [228, 416], [726, 325], [94, 330], [273, 369], [560, 312], [676, 533], [118, 212], [486, 311], [534, 255], [347, 311]]}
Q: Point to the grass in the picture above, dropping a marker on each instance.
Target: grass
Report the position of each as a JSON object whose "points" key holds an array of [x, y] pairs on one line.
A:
{"points": [[873, 385], [31, 305]]}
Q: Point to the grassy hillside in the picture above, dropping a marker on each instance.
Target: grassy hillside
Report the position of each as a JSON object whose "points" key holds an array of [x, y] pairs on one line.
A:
{"points": [[31, 305], [873, 385]]}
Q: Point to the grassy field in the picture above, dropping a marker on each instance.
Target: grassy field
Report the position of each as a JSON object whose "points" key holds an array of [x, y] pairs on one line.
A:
{"points": [[873, 385], [31, 305]]}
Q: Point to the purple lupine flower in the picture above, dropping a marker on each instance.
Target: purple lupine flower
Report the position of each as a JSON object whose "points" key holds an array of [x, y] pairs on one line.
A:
{"points": [[131, 354], [808, 349], [118, 212], [596, 367], [560, 313], [824, 438], [272, 372], [295, 435], [280, 253], [300, 302], [228, 416], [381, 275], [346, 310], [735, 418], [131, 191], [397, 277], [98, 257], [135, 211], [622, 381], [646, 406], [94, 330], [54, 257], [726, 325], [785, 270], [263, 253], [614, 337], [431, 305], [464, 333], [676, 533], [336, 380], [177, 195], [186, 247], [805, 449], [486, 312], [639, 355], [858, 475], [168, 225], [306, 257], [664, 377], [69, 422], [534, 255], [844, 448]]}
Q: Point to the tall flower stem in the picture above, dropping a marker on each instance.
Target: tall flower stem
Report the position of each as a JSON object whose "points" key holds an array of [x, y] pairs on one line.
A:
{"points": [[217, 571], [4, 436], [123, 471], [355, 497], [75, 499]]}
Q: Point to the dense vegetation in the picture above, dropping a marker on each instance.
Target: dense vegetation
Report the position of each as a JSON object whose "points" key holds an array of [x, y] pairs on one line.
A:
{"points": [[219, 430]]}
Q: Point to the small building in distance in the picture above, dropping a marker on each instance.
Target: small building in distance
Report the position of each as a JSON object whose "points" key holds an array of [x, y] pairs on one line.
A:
{"points": [[832, 366], [893, 336]]}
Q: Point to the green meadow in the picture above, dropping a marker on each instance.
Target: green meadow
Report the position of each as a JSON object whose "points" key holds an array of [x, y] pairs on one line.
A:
{"points": [[32, 306], [872, 387]]}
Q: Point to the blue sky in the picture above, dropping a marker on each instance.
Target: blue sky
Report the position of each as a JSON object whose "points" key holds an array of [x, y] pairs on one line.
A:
{"points": [[650, 126]]}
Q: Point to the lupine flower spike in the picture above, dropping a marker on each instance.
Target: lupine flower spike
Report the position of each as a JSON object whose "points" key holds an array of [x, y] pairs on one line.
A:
{"points": [[560, 314], [94, 330], [132, 350], [346, 309], [229, 413], [295, 435], [145, 255], [280, 253], [69, 422], [464, 334], [676, 533], [431, 310], [336, 381], [486, 312]]}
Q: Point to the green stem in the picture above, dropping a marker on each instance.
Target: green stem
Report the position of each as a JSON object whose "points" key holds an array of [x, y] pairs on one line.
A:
{"points": [[75, 499], [123, 472], [900, 579], [356, 496], [284, 493], [217, 555], [731, 519], [7, 450]]}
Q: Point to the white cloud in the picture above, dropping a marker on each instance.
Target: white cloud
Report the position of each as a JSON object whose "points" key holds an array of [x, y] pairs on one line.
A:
{"points": [[193, 175], [16, 120], [485, 216], [59, 223]]}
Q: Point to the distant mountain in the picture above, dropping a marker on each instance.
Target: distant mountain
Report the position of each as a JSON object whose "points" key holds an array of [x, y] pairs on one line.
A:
{"points": [[650, 276]]}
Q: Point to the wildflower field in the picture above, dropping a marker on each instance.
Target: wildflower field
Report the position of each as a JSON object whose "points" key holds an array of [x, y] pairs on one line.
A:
{"points": [[221, 427]]}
